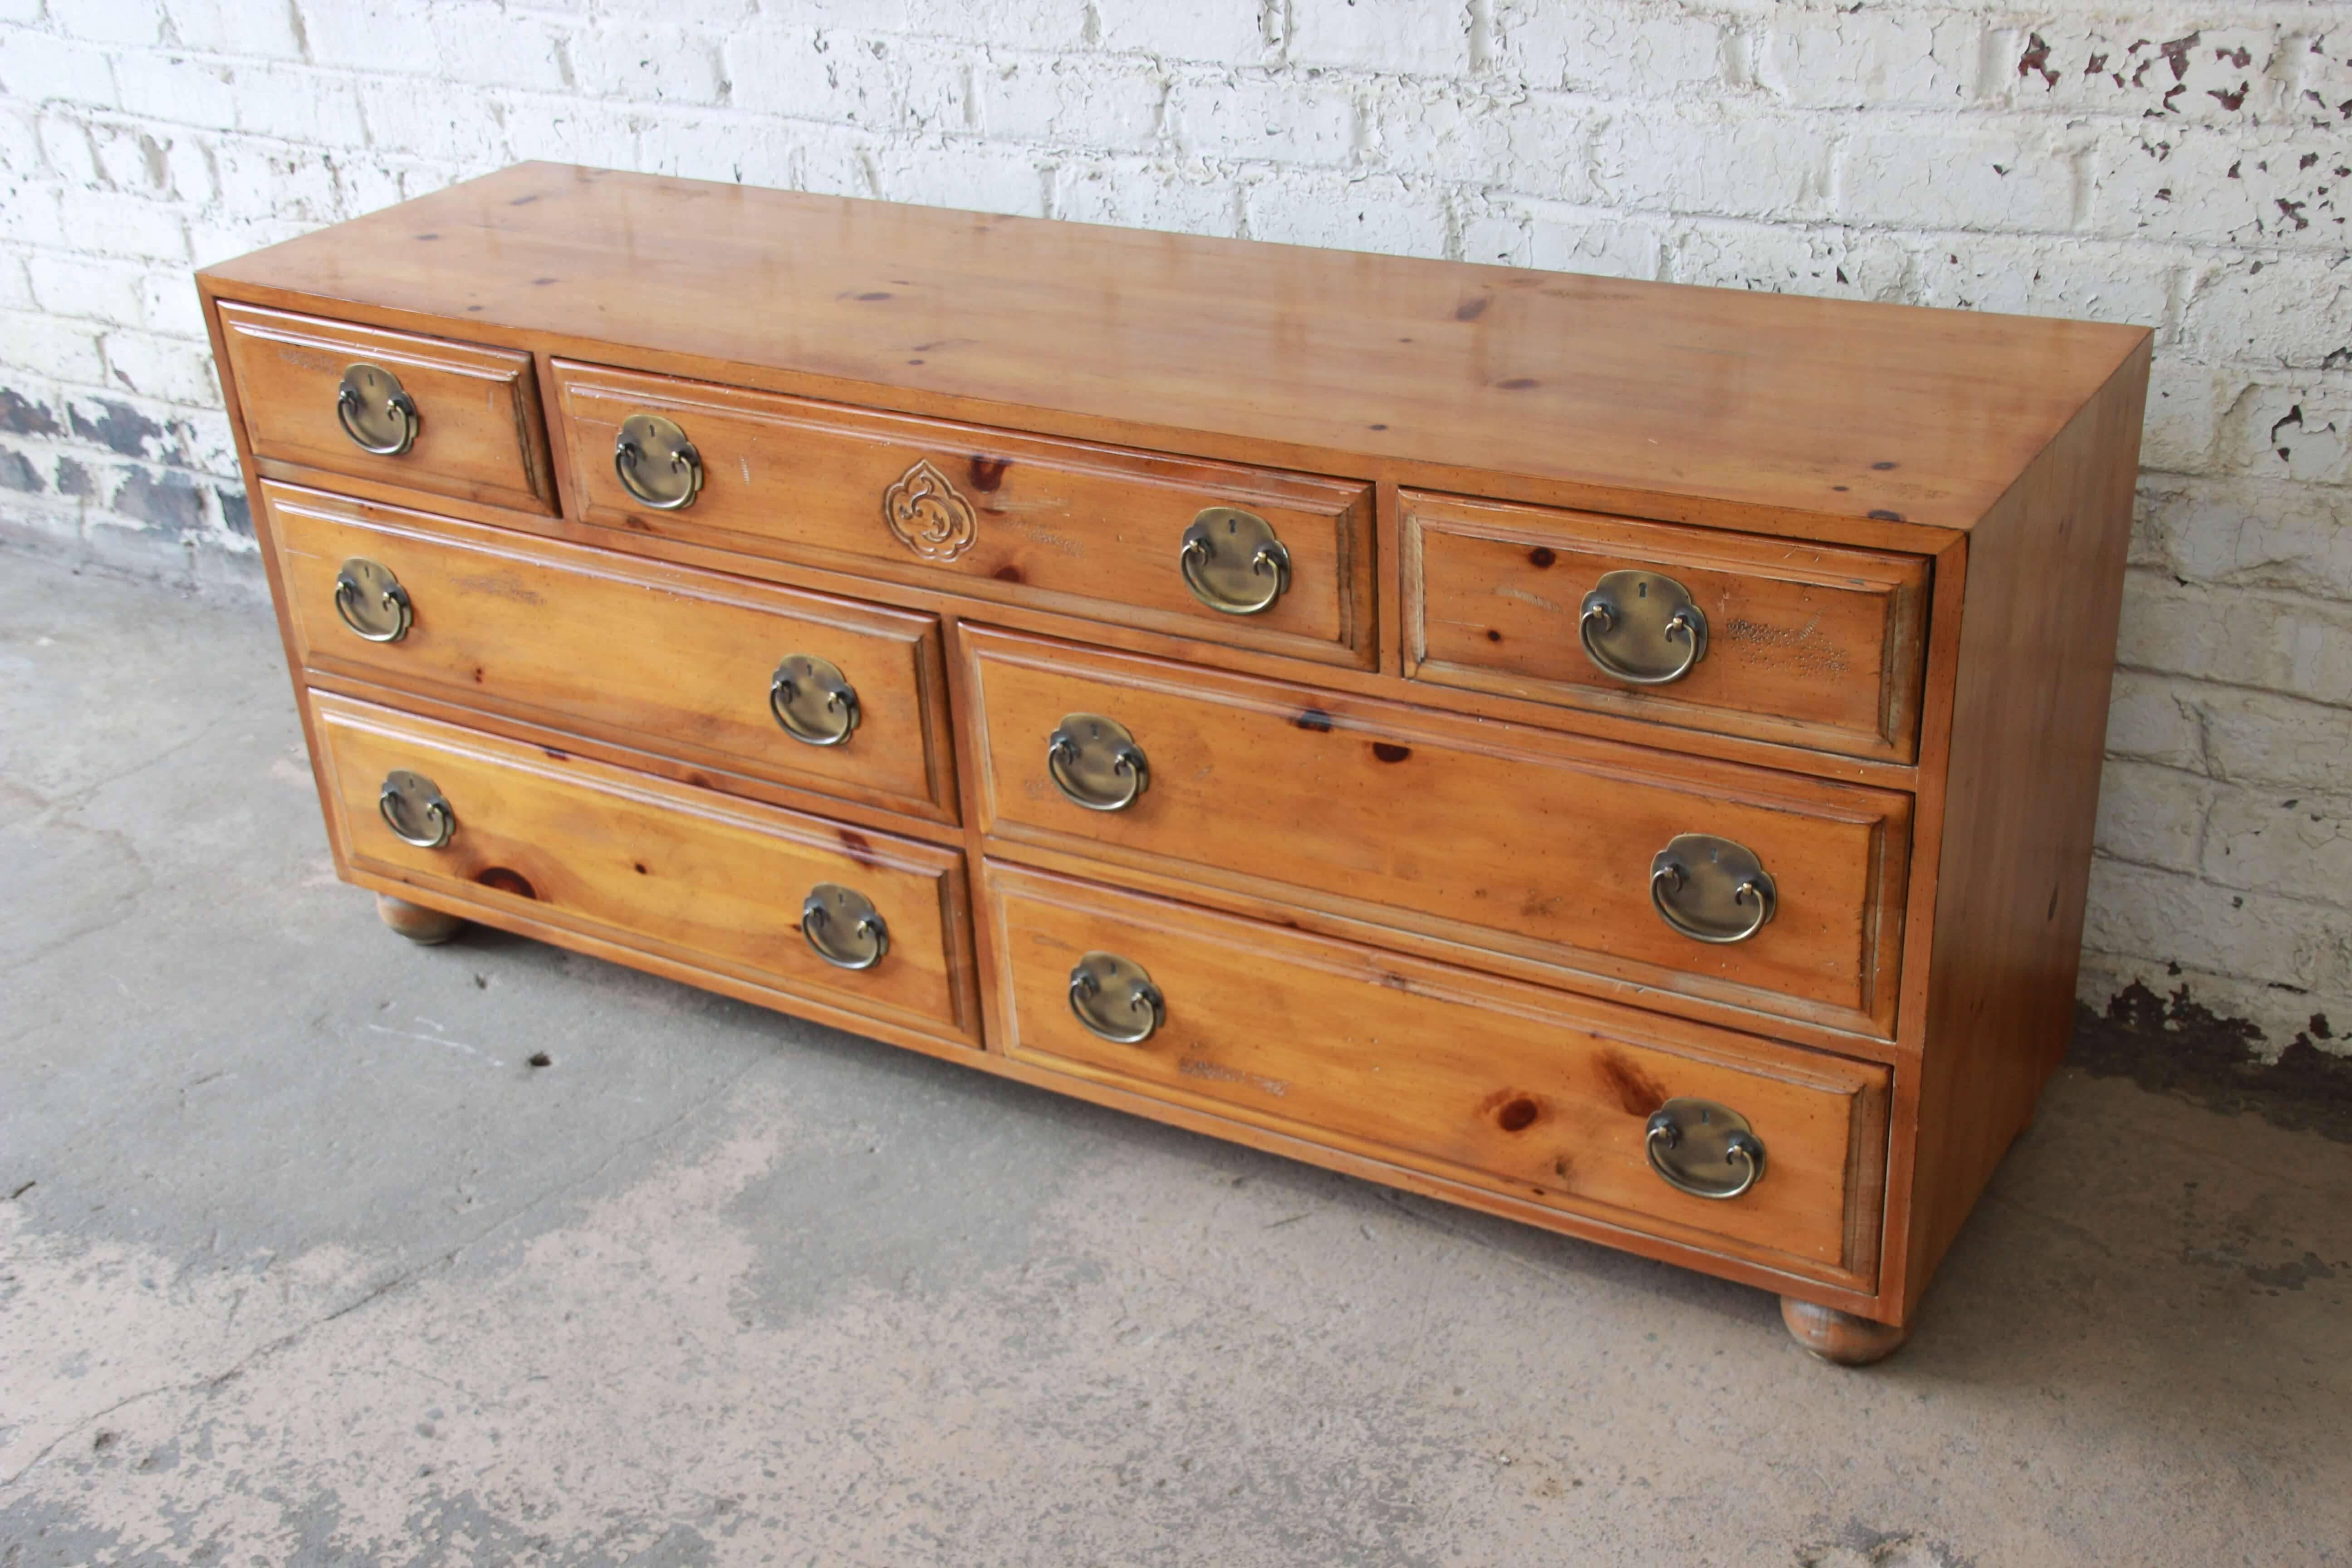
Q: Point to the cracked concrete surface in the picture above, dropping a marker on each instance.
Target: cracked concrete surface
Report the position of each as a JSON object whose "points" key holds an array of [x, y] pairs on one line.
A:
{"points": [[304, 1264]]}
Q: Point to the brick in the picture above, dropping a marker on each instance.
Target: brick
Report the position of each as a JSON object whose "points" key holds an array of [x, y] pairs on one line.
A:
{"points": [[997, 23], [1411, 36], [1817, 261], [66, 148], [181, 89], [2247, 185], [2153, 913], [1378, 212], [720, 144], [152, 161], [484, 45], [1288, 119], [2274, 309], [2299, 845], [1232, 33], [1533, 144], [1703, 159], [2152, 816], [2185, 402], [115, 22], [1162, 194], [1495, 234], [369, 34], [235, 28], [570, 131], [2297, 428], [2081, 279], [38, 69], [1624, 51], [269, 178], [1111, 105], [20, 142], [1940, 174], [2268, 534], [177, 370], [89, 287], [16, 285], [2257, 737], [820, 73], [300, 104], [433, 121], [110, 224], [1568, 239], [2131, 66], [647, 65], [50, 347], [1857, 58], [2151, 719], [958, 172], [2296, 647]]}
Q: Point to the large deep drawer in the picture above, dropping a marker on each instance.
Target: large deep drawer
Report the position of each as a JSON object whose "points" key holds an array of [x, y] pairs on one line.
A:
{"points": [[699, 879], [1500, 1085], [660, 658], [1500, 835]]}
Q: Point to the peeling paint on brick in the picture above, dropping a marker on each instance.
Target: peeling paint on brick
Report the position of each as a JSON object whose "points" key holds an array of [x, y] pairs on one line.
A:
{"points": [[18, 473], [166, 498]]}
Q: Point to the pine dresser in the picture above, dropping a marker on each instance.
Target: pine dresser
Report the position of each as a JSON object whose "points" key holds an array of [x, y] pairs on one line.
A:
{"points": [[1616, 756]]}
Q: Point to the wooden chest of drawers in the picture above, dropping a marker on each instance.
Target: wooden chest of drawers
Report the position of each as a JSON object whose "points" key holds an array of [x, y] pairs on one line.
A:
{"points": [[1618, 756]]}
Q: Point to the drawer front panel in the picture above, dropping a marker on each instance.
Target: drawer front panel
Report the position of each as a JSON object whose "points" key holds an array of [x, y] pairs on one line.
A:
{"points": [[1499, 836], [1810, 644], [692, 876], [657, 657], [1502, 1085], [477, 431], [1059, 525]]}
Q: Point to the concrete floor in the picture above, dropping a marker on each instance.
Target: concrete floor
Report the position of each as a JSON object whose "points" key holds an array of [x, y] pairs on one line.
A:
{"points": [[305, 1265]]}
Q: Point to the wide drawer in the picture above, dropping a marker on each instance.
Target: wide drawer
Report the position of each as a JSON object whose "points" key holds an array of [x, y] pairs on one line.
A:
{"points": [[1494, 1083], [1062, 525], [1812, 645], [1499, 836], [472, 427], [656, 656], [700, 878]]}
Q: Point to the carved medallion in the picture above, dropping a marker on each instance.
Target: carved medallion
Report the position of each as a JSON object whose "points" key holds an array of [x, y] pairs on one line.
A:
{"points": [[928, 516]]}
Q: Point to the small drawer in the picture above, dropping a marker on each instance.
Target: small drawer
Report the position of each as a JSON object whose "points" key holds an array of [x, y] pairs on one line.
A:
{"points": [[1588, 854], [1809, 644], [1489, 1082], [1249, 557], [656, 656], [699, 879], [452, 419]]}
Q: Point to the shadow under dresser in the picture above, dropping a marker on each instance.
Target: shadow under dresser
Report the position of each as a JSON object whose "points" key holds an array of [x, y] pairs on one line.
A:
{"points": [[1616, 756]]}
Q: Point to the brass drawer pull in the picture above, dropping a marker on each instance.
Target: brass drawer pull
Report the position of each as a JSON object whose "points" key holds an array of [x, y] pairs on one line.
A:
{"points": [[1232, 561], [813, 701], [1704, 1149], [842, 927], [1711, 890], [371, 601], [1631, 622], [656, 463], [413, 806], [1096, 763], [374, 412], [1113, 997]]}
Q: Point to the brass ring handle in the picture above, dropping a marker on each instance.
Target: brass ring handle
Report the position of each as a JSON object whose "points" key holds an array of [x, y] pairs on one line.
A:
{"points": [[1653, 612], [374, 411], [656, 463], [1684, 1133], [1137, 1009], [1711, 890], [842, 927], [1232, 561], [370, 601], [405, 795], [813, 702], [1088, 751]]}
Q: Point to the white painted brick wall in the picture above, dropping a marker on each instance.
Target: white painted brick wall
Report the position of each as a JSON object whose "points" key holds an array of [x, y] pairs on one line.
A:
{"points": [[2179, 165]]}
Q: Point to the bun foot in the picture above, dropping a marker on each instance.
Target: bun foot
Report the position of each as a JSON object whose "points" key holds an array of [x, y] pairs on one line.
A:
{"points": [[1840, 1337], [427, 928]]}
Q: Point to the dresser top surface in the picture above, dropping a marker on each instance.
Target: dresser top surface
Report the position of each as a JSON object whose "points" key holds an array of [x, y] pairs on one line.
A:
{"points": [[1835, 407]]}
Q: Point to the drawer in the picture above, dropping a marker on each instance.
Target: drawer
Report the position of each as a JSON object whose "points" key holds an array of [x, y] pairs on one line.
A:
{"points": [[697, 877], [1059, 525], [1494, 835], [1809, 645], [654, 656], [474, 428], [1498, 1084]]}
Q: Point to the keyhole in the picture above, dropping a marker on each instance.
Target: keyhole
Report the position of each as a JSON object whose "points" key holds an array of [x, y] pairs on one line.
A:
{"points": [[1642, 591]]}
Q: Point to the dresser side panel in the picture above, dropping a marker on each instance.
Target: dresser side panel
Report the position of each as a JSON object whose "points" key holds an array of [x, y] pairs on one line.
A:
{"points": [[2028, 737]]}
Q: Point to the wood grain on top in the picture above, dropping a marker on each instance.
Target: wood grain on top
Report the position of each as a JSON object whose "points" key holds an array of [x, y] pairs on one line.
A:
{"points": [[1828, 406]]}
